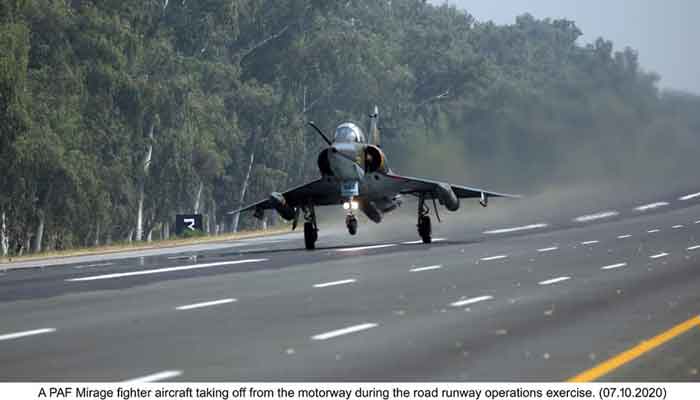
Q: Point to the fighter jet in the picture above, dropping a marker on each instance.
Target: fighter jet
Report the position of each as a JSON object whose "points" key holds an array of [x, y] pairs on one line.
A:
{"points": [[356, 175]]}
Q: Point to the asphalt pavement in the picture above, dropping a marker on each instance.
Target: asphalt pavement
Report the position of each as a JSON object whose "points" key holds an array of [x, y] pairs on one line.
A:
{"points": [[514, 292]]}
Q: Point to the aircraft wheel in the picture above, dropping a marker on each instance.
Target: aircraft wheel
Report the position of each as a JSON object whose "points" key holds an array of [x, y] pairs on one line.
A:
{"points": [[425, 229], [351, 222], [310, 236]]}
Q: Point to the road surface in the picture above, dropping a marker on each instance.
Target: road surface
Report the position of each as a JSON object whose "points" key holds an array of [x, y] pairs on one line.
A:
{"points": [[540, 294]]}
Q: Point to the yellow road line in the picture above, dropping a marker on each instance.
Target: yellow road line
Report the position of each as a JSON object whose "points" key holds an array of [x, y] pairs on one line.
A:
{"points": [[636, 351]]}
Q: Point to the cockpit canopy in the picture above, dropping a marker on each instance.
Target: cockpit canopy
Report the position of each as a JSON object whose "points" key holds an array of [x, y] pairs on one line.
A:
{"points": [[348, 133]]}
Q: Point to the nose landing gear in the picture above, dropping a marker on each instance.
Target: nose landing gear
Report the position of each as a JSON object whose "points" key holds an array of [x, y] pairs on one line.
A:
{"points": [[351, 223]]}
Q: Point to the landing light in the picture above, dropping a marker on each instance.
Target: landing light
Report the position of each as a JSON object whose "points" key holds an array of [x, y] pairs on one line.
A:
{"points": [[351, 204]]}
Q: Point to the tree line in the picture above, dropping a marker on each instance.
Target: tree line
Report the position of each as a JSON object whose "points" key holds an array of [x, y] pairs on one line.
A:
{"points": [[115, 115]]}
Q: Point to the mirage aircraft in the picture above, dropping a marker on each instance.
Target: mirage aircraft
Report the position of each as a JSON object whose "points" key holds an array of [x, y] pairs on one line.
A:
{"points": [[356, 175]]}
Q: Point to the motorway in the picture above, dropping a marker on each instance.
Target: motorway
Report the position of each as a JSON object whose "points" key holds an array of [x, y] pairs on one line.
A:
{"points": [[523, 290]]}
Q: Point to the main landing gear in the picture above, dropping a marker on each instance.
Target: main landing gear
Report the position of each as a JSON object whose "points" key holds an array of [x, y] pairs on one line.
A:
{"points": [[310, 228], [424, 226]]}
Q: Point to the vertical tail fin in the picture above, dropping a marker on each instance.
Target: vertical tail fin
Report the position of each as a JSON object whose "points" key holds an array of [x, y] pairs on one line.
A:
{"points": [[373, 126]]}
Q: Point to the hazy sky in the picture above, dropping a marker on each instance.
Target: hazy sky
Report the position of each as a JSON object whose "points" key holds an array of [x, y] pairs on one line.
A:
{"points": [[666, 33]]}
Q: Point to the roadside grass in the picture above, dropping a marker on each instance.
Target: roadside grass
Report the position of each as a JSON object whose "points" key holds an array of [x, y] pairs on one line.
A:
{"points": [[160, 244]]}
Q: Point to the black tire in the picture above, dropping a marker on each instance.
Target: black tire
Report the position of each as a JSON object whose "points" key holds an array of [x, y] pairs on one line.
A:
{"points": [[352, 226], [310, 236], [425, 229]]}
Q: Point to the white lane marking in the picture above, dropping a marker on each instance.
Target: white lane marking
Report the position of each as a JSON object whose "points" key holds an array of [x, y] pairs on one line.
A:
{"points": [[677, 226], [516, 229], [344, 331], [614, 266], [589, 242], [159, 376], [689, 196], [548, 249], [498, 257], [205, 304], [691, 248], [655, 256], [467, 302], [697, 222], [17, 335], [555, 280], [334, 283], [653, 230], [651, 206], [94, 265], [378, 246], [600, 215], [428, 268], [420, 241], [163, 270], [624, 236]]}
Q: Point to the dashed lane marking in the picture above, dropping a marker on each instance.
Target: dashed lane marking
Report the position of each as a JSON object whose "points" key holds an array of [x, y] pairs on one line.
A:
{"points": [[677, 226], [654, 230], [651, 206], [689, 196], [334, 283], [614, 266], [159, 376], [517, 229], [548, 249], [624, 236], [600, 215], [589, 242], [17, 335], [377, 246], [93, 265], [420, 241], [164, 270], [554, 280], [344, 331], [428, 268], [492, 258], [474, 300], [205, 304], [659, 255], [691, 248]]}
